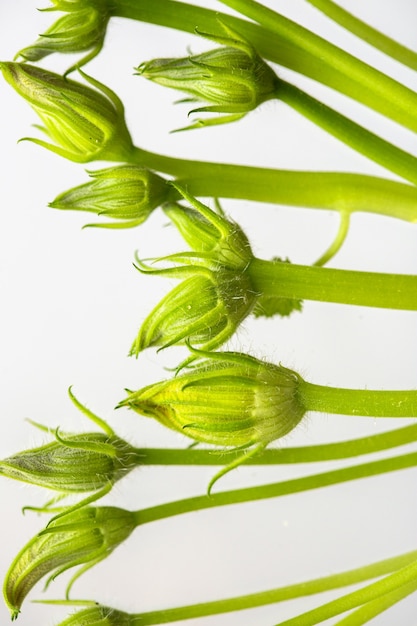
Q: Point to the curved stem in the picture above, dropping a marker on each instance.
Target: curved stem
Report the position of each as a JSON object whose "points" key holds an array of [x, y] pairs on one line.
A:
{"points": [[337, 242], [364, 402], [371, 609], [391, 291], [271, 596], [273, 456], [296, 485], [321, 190], [405, 577], [369, 34], [357, 137]]}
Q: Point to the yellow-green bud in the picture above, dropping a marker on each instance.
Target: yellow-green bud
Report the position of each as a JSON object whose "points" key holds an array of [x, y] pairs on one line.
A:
{"points": [[228, 399], [88, 462], [83, 28], [127, 192], [216, 295], [219, 240], [82, 537], [233, 79], [205, 309], [73, 463], [98, 616], [85, 124]]}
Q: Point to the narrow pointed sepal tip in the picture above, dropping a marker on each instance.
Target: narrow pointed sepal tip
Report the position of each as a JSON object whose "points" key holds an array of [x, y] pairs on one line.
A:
{"points": [[14, 614]]}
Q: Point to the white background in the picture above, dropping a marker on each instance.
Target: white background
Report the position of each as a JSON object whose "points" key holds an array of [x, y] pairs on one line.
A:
{"points": [[71, 304]]}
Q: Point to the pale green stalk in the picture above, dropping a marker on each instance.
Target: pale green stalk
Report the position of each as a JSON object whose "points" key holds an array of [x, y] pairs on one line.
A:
{"points": [[272, 456], [332, 66], [371, 609], [403, 578], [287, 280], [281, 594], [336, 191], [274, 490], [364, 31]]}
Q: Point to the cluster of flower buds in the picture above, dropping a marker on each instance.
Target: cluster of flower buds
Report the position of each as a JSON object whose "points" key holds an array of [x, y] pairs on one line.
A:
{"points": [[233, 78], [81, 29], [85, 124], [216, 295], [228, 399], [82, 537]]}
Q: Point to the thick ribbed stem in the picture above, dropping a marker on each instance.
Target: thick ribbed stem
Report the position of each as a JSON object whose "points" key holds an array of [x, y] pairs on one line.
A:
{"points": [[320, 190], [286, 280]]}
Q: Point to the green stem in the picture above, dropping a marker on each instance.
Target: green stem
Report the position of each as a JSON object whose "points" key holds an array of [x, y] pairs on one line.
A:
{"points": [[363, 141], [283, 41], [271, 596], [369, 34], [321, 190], [405, 577], [286, 280], [296, 485], [334, 67], [271, 456], [375, 607], [337, 241], [363, 402]]}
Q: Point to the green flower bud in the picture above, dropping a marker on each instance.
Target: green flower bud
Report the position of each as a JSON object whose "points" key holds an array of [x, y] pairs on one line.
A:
{"points": [[216, 295], [210, 234], [233, 79], [74, 463], [86, 124], [88, 462], [98, 616], [127, 192], [83, 537], [83, 28], [205, 309], [228, 399]]}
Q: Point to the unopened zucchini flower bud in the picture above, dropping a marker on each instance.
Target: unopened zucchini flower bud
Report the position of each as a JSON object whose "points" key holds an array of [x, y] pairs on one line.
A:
{"points": [[83, 537], [85, 124], [75, 464], [216, 294], [127, 193], [99, 615], [227, 399], [82, 29], [232, 79]]}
